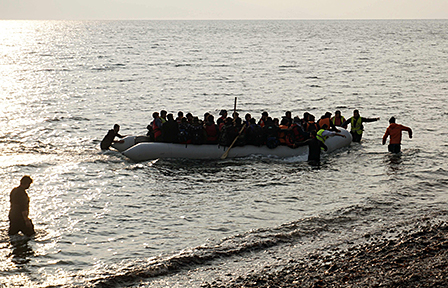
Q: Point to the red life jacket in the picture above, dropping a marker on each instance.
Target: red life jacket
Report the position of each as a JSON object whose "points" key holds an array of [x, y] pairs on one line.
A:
{"points": [[221, 125], [338, 121], [156, 129], [297, 136], [212, 132]]}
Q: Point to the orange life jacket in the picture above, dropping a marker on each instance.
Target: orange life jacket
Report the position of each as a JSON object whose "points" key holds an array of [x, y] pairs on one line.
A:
{"points": [[311, 126], [324, 121]]}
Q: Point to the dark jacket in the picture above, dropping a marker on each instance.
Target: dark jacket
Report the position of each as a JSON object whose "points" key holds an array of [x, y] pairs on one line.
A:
{"points": [[109, 139], [170, 131]]}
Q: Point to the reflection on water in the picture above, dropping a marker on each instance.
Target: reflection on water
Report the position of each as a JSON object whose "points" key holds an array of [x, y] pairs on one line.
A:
{"points": [[16, 253], [21, 250], [394, 161]]}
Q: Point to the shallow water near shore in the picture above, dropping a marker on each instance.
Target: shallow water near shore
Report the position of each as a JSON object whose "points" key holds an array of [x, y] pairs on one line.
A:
{"points": [[102, 219]]}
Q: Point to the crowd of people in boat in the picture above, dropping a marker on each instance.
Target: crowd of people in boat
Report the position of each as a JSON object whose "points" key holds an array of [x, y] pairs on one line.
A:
{"points": [[289, 131]]}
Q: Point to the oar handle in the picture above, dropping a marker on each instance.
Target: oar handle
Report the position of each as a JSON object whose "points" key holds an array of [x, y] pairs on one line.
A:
{"points": [[224, 156], [234, 110]]}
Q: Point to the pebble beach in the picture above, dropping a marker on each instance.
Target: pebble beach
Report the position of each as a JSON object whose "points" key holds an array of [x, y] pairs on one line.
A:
{"points": [[416, 257]]}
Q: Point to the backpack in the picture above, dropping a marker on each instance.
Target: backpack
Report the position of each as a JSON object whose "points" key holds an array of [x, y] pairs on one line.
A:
{"points": [[272, 142], [255, 135], [197, 134], [183, 136]]}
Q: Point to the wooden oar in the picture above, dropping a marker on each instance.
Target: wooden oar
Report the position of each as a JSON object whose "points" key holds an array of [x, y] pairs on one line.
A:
{"points": [[234, 111], [224, 156]]}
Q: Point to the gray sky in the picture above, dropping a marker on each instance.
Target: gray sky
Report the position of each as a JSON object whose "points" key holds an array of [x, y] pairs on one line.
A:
{"points": [[223, 9]]}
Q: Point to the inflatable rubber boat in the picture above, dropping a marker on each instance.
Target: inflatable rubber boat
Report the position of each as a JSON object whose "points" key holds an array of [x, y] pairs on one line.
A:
{"points": [[133, 148]]}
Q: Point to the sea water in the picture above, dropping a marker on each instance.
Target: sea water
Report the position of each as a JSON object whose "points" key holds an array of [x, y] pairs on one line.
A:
{"points": [[102, 219]]}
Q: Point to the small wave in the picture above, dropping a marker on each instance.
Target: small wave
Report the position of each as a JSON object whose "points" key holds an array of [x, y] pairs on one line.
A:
{"points": [[61, 118], [220, 65], [53, 70], [108, 68], [251, 241]]}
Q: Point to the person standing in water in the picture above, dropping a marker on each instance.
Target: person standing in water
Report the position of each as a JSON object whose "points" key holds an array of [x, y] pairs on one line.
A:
{"points": [[394, 131], [356, 125], [338, 119], [315, 146], [20, 209], [110, 138]]}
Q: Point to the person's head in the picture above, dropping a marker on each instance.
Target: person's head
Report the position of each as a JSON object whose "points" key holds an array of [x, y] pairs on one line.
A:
{"points": [[355, 113], [163, 114], [328, 115], [223, 113], [288, 114], [195, 120], [170, 117], [189, 116], [276, 121], [206, 115], [180, 114], [155, 115], [306, 116], [337, 113], [325, 127], [248, 117], [311, 117], [236, 115], [211, 119], [264, 115], [392, 120], [116, 127], [252, 121], [284, 122], [26, 181], [296, 120]]}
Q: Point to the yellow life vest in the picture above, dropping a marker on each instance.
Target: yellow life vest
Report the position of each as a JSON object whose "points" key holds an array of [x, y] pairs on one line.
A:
{"points": [[356, 125], [320, 137]]}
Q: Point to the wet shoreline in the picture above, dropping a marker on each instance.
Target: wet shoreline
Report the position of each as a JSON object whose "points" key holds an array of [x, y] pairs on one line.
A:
{"points": [[416, 257]]}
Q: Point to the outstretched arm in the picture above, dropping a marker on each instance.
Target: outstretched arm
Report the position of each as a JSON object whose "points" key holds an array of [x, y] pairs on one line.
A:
{"points": [[370, 119], [409, 132]]}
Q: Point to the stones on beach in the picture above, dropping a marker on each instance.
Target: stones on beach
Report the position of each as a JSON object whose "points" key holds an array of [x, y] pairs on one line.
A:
{"points": [[414, 258]]}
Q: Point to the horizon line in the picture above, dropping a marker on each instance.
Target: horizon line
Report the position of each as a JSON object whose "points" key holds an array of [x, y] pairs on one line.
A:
{"points": [[222, 19]]}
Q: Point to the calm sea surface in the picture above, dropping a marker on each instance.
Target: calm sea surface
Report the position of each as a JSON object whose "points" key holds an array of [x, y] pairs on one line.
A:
{"points": [[103, 219]]}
